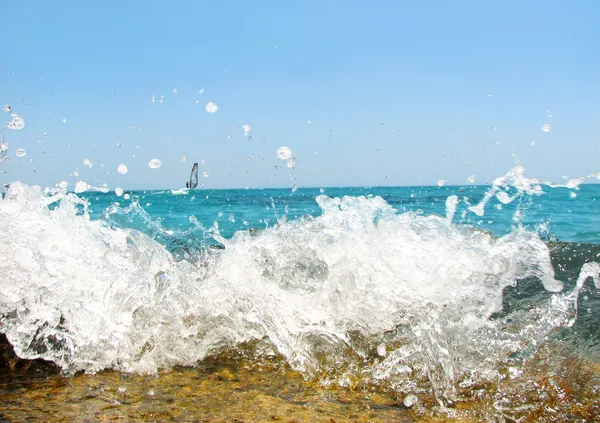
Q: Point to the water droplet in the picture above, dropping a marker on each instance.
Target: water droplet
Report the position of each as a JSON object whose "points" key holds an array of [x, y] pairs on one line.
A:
{"points": [[322, 190], [201, 91], [295, 188], [64, 120], [220, 214], [309, 122], [17, 123], [20, 152], [154, 163], [7, 108], [547, 127], [183, 159], [193, 219], [162, 99], [410, 400], [87, 162], [284, 153], [471, 179], [205, 174], [291, 163], [246, 129], [532, 143], [153, 98], [231, 218], [229, 137], [118, 191], [211, 107], [3, 151], [127, 196], [175, 91], [489, 94], [122, 169], [119, 144], [441, 183], [573, 194]]}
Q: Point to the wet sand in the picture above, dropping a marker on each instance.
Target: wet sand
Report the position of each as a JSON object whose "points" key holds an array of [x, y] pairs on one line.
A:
{"points": [[230, 388]]}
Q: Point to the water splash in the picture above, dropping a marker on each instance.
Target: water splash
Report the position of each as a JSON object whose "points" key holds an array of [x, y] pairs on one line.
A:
{"points": [[360, 291]]}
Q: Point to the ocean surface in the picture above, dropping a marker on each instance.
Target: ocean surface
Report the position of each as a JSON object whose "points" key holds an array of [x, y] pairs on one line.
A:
{"points": [[432, 295]]}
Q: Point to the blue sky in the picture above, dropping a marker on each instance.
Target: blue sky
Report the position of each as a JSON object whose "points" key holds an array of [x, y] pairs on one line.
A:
{"points": [[396, 93]]}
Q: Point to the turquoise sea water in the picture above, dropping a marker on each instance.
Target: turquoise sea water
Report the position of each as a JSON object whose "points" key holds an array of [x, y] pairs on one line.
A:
{"points": [[559, 213]]}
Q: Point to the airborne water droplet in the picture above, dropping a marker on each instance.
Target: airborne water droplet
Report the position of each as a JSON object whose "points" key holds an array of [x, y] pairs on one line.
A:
{"points": [[211, 107], [17, 123], [122, 169], [154, 163], [547, 127], [20, 152], [291, 163], [205, 174], [119, 191], [7, 108], [87, 162], [284, 153], [246, 129]]}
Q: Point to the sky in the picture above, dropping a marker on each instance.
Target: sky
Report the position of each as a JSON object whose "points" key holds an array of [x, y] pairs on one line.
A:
{"points": [[363, 93]]}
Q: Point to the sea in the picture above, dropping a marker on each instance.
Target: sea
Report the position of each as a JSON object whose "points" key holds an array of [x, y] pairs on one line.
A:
{"points": [[424, 303]]}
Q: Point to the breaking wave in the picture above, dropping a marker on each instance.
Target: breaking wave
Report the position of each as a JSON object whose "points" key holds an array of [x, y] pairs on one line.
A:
{"points": [[360, 292]]}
